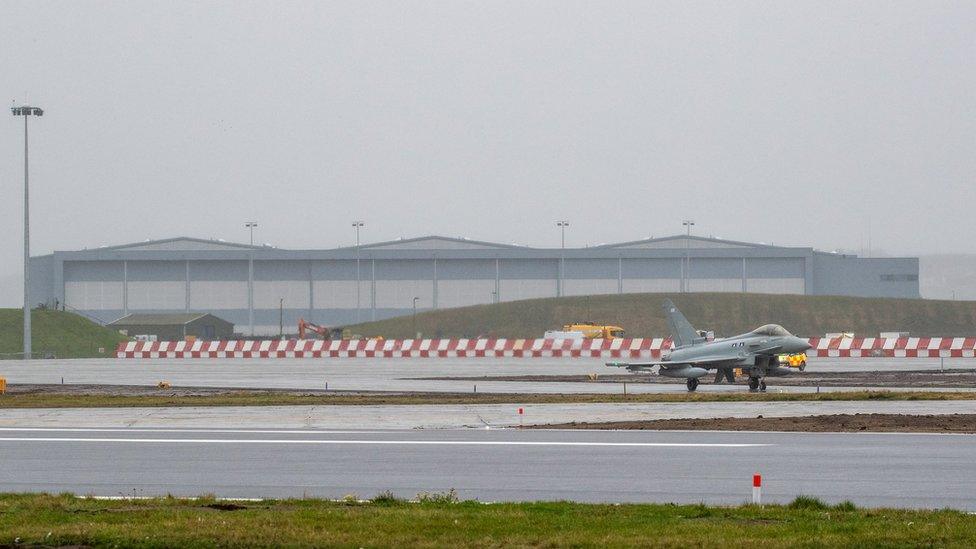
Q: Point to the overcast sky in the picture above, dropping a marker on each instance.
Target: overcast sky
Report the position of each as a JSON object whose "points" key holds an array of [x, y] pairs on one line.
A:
{"points": [[784, 122]]}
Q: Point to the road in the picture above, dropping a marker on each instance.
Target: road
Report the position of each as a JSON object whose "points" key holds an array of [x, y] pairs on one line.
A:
{"points": [[496, 465], [390, 374], [447, 416]]}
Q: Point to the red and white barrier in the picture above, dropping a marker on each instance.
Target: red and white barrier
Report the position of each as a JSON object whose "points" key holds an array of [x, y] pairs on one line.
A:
{"points": [[902, 347], [397, 348], [630, 348]]}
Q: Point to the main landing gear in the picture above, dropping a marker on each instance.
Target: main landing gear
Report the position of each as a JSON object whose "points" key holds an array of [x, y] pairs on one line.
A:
{"points": [[757, 384], [692, 384]]}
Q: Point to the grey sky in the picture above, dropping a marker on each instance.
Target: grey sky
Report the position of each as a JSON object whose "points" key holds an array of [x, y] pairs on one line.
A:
{"points": [[790, 123]]}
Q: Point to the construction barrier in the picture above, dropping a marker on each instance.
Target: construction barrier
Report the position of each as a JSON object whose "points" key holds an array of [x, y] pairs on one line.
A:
{"points": [[622, 348], [397, 348], [902, 347]]}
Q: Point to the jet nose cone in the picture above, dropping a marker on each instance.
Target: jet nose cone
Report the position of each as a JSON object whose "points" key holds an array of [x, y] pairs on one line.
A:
{"points": [[803, 344]]}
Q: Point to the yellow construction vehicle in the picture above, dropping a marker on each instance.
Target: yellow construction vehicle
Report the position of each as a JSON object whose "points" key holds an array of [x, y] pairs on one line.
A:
{"points": [[797, 360], [592, 330]]}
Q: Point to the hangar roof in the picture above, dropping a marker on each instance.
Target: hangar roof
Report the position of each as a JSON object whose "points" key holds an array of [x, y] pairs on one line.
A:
{"points": [[682, 241], [168, 319], [435, 242], [182, 243]]}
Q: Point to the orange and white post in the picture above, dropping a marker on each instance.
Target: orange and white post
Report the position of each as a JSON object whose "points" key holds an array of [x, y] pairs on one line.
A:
{"points": [[757, 489]]}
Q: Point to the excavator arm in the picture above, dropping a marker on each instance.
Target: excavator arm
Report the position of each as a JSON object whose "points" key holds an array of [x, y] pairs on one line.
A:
{"points": [[305, 326]]}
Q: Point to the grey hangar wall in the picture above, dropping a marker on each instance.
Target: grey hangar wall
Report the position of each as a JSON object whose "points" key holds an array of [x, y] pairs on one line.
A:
{"points": [[247, 284]]}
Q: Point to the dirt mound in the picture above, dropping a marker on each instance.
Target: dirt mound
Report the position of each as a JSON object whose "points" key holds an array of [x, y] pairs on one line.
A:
{"points": [[880, 423]]}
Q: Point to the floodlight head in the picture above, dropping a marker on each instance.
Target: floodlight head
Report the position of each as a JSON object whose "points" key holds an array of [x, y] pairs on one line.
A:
{"points": [[26, 111]]}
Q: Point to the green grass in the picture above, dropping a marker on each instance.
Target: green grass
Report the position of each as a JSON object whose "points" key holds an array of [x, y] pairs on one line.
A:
{"points": [[726, 314], [58, 333], [248, 398], [47, 520]]}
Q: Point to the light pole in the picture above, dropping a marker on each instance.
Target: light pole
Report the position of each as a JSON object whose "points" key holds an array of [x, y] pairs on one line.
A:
{"points": [[562, 224], [415, 316], [357, 225], [686, 272], [281, 318], [250, 225], [26, 112]]}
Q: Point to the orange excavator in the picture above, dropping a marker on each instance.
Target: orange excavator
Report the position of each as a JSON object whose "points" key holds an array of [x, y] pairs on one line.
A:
{"points": [[304, 327]]}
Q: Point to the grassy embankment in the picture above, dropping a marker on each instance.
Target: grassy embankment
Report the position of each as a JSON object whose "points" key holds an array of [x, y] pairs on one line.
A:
{"points": [[57, 333], [440, 521], [726, 314], [256, 398]]}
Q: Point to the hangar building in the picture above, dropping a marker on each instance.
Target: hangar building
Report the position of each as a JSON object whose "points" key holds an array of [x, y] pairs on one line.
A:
{"points": [[175, 326], [252, 285]]}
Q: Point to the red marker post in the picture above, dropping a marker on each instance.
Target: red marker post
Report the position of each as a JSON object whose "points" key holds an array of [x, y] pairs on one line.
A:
{"points": [[520, 413], [757, 489]]}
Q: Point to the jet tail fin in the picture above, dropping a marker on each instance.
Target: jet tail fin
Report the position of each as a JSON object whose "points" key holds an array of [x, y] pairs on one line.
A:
{"points": [[682, 332]]}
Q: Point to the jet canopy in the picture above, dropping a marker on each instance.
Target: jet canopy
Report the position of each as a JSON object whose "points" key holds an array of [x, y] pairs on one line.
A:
{"points": [[773, 330]]}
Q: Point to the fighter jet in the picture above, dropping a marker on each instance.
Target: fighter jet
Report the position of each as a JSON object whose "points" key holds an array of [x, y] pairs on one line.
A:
{"points": [[692, 355]]}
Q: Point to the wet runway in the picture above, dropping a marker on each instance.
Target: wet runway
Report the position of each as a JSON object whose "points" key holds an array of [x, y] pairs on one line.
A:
{"points": [[393, 374], [447, 416], [497, 465]]}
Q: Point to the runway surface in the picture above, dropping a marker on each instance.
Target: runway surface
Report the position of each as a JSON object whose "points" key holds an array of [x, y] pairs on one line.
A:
{"points": [[393, 374], [495, 465], [452, 416]]}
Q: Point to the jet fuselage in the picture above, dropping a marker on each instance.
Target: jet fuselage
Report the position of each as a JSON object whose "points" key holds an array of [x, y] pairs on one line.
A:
{"points": [[743, 348]]}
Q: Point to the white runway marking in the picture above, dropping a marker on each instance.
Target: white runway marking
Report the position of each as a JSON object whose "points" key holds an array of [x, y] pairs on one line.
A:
{"points": [[386, 442], [237, 431]]}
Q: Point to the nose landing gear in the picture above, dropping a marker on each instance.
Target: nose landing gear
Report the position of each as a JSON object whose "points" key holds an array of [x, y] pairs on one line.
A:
{"points": [[692, 384], [757, 384], [757, 377]]}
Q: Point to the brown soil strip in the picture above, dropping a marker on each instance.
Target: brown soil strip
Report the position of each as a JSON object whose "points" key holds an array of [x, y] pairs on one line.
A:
{"points": [[93, 396], [840, 423]]}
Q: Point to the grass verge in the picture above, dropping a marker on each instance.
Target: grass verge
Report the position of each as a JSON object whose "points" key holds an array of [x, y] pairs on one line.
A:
{"points": [[56, 333], [257, 398], [725, 313], [64, 520]]}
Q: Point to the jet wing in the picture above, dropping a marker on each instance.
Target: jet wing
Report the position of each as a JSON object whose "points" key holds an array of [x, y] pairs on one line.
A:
{"points": [[636, 366], [704, 362]]}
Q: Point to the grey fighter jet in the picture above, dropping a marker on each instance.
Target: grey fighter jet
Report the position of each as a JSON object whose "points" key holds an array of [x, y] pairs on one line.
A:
{"points": [[692, 355]]}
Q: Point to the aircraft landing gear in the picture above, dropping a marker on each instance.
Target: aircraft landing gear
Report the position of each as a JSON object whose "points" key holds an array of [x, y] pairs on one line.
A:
{"points": [[722, 374], [692, 384], [756, 384]]}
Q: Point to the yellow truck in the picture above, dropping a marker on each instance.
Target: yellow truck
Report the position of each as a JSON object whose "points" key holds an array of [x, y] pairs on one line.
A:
{"points": [[591, 330], [798, 361]]}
